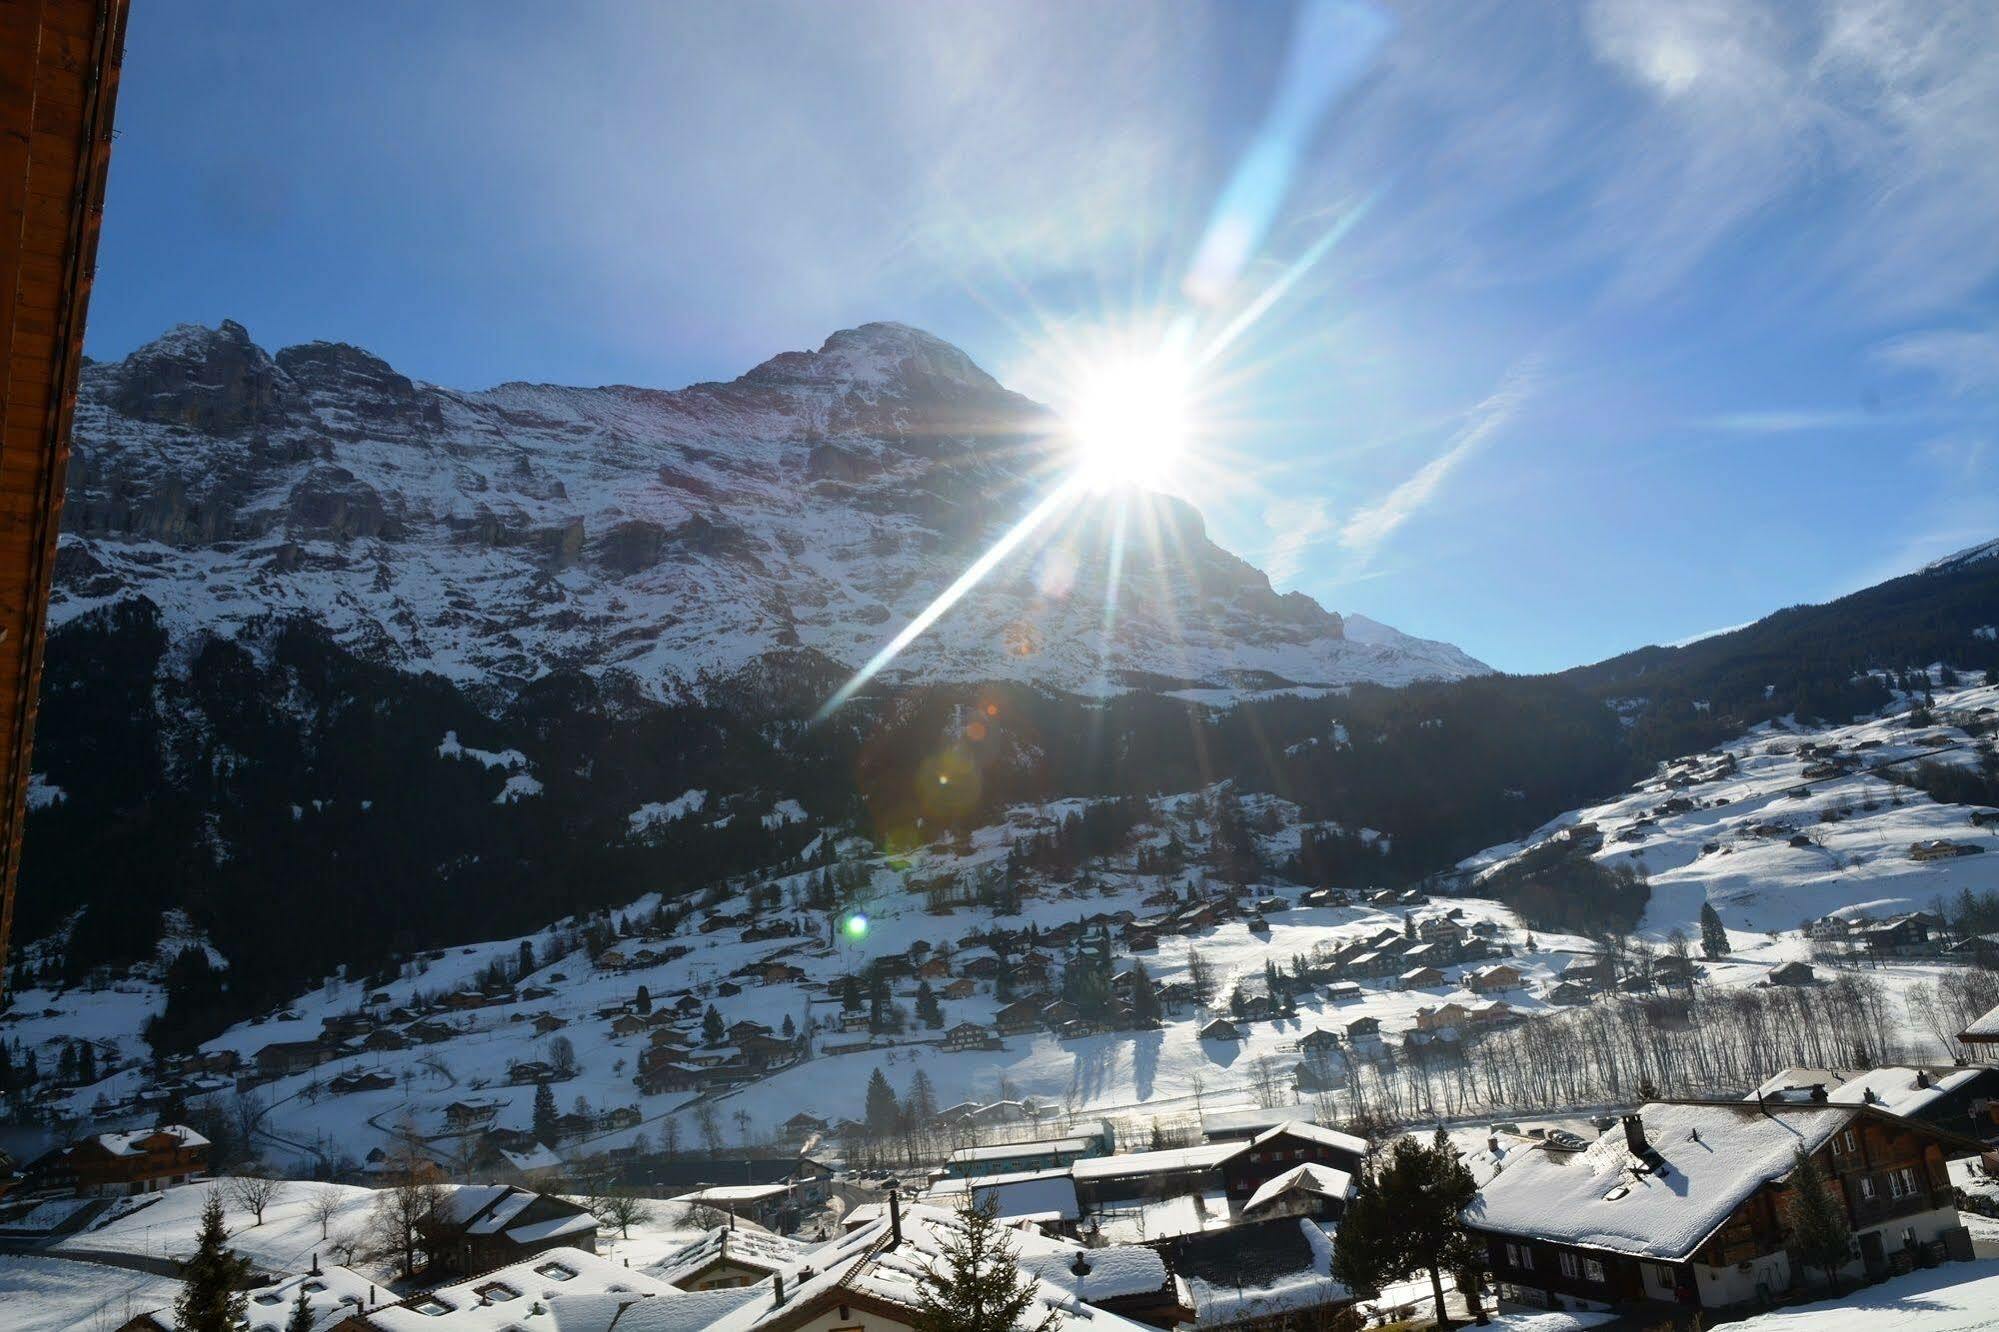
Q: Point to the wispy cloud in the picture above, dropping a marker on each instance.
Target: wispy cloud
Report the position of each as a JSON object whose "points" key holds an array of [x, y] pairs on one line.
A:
{"points": [[1296, 525], [1964, 360], [1366, 529], [1878, 110], [1788, 421]]}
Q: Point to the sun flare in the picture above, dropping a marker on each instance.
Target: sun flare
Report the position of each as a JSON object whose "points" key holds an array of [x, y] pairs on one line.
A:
{"points": [[1131, 422]]}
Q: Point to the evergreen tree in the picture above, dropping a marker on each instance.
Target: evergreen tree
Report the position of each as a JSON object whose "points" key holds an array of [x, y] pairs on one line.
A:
{"points": [[850, 995], [711, 1026], [1818, 1220], [978, 1286], [211, 1300], [301, 1319], [544, 1114], [1714, 937], [921, 1103], [882, 1113], [790, 1028], [525, 962], [1144, 998], [878, 1002], [643, 1002], [1403, 1220], [927, 1007]]}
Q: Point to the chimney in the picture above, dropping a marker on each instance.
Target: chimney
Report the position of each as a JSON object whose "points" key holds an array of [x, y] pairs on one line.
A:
{"points": [[1081, 1267], [777, 1290], [1634, 1134], [894, 1218], [1922, 1077], [315, 1264]]}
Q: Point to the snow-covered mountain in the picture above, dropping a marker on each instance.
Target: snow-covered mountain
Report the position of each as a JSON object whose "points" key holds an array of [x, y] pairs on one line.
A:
{"points": [[817, 502]]}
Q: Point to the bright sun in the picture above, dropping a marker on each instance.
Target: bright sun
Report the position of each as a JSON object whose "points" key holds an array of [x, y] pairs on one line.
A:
{"points": [[1131, 421]]}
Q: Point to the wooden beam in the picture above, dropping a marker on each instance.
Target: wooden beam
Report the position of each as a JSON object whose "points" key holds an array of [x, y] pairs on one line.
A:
{"points": [[59, 64]]}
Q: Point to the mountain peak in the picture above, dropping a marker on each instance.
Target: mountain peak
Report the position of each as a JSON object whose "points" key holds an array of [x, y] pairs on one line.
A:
{"points": [[885, 357], [212, 379]]}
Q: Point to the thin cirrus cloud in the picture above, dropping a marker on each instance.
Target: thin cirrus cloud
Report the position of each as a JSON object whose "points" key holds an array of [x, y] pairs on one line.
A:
{"points": [[1965, 361], [1365, 530]]}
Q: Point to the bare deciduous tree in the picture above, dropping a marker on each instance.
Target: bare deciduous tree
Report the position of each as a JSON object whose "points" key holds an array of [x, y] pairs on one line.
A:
{"points": [[623, 1209], [254, 1191], [322, 1205]]}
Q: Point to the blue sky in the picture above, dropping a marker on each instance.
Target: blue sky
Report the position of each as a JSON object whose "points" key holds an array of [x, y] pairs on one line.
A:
{"points": [[1630, 320]]}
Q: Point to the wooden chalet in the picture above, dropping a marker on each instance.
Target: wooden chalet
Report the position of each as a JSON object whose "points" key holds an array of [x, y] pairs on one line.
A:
{"points": [[1688, 1205], [483, 1226]]}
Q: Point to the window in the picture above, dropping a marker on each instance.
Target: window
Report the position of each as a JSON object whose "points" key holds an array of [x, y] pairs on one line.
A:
{"points": [[1902, 1183], [1867, 1188], [1570, 1267], [1520, 1256], [1593, 1270], [1846, 1144]]}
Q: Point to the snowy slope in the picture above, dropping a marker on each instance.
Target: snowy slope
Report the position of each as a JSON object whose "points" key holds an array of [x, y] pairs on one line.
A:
{"points": [[1748, 799], [819, 501]]}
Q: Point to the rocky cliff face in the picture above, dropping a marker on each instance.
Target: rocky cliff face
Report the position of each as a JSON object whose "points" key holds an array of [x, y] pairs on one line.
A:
{"points": [[672, 538]]}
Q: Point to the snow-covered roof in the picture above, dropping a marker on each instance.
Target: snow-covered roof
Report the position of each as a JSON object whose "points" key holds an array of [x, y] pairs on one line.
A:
{"points": [[870, 1264], [1984, 1029], [500, 1299], [1899, 1090], [1165, 1161], [1325, 1137], [728, 1193], [689, 1311], [1001, 1151], [749, 1248], [128, 1143], [494, 1220], [536, 1231], [332, 1293], [1027, 1193], [1322, 1180], [1114, 1271], [1705, 1161]]}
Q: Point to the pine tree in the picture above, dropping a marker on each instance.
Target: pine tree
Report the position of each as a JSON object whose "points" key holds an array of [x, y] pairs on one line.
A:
{"points": [[977, 1284], [544, 1114], [1144, 998], [882, 1114], [301, 1319], [790, 1029], [921, 1103], [711, 1026], [642, 1003], [1818, 1220], [525, 962], [927, 1007], [850, 995], [1403, 1220], [1714, 937], [211, 1300]]}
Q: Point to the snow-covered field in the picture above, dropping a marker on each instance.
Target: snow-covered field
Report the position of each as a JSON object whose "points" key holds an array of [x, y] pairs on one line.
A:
{"points": [[164, 1225], [1860, 826], [1957, 1297], [60, 1295]]}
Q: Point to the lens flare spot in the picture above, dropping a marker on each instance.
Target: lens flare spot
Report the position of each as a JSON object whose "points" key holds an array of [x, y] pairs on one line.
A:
{"points": [[855, 927], [975, 732]]}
